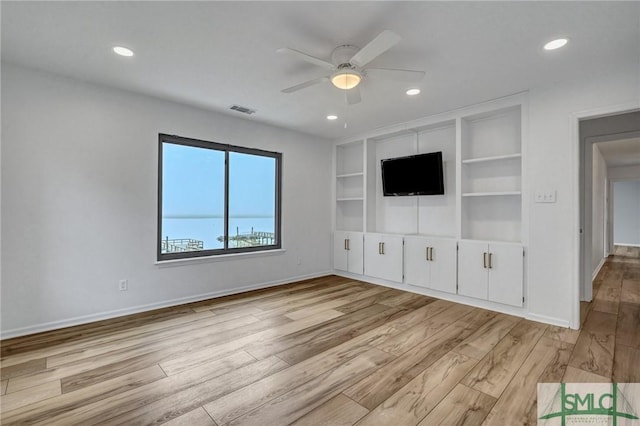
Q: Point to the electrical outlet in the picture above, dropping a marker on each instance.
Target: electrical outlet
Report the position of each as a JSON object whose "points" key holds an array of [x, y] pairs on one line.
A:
{"points": [[123, 285]]}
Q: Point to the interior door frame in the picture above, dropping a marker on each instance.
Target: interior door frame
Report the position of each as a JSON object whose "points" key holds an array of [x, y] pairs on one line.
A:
{"points": [[581, 287]]}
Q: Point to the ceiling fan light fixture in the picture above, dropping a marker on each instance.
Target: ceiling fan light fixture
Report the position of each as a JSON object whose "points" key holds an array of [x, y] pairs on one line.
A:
{"points": [[346, 80]]}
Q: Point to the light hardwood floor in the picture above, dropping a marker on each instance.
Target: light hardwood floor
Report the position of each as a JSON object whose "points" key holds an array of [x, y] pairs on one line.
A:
{"points": [[328, 351]]}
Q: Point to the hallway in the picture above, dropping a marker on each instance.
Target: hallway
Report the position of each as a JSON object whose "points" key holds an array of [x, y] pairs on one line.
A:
{"points": [[608, 346]]}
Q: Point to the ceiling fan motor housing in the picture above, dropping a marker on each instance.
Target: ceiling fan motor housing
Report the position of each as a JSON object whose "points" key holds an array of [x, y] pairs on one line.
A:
{"points": [[341, 55]]}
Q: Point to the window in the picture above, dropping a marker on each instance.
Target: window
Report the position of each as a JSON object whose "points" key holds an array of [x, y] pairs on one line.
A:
{"points": [[216, 199]]}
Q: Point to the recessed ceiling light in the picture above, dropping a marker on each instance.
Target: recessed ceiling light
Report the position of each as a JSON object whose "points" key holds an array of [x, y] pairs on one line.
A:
{"points": [[413, 92], [556, 44], [332, 117], [123, 51]]}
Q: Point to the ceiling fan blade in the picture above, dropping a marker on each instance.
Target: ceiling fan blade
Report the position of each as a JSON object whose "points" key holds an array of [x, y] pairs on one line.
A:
{"points": [[376, 47], [408, 76], [353, 95], [305, 84], [305, 57]]}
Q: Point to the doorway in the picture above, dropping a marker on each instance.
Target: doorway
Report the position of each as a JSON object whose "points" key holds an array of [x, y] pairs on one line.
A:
{"points": [[594, 134]]}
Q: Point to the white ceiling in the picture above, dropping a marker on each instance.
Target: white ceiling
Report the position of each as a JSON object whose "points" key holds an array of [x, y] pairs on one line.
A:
{"points": [[215, 54], [620, 153]]}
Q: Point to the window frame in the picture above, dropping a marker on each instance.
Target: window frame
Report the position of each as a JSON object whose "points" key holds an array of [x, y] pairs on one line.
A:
{"points": [[226, 148]]}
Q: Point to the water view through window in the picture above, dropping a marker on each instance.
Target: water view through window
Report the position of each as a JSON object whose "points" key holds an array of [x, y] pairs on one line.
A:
{"points": [[193, 201]]}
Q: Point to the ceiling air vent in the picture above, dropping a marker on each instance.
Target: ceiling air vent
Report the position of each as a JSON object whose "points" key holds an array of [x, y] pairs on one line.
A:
{"points": [[242, 109]]}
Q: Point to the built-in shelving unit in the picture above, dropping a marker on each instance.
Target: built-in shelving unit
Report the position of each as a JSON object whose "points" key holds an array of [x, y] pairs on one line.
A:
{"points": [[428, 242], [350, 186]]}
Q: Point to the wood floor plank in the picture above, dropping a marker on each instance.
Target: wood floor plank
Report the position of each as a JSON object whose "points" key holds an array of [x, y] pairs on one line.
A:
{"points": [[497, 368], [3, 386], [208, 381], [517, 405], [28, 367], [378, 386], [576, 375], [407, 339], [409, 405], [301, 400], [594, 348], [371, 300], [626, 364], [607, 298], [194, 359], [486, 337], [89, 331], [333, 303], [307, 335], [197, 417], [122, 361], [630, 292], [219, 323], [628, 327], [58, 405], [15, 400], [463, 406], [315, 343], [283, 308], [104, 338], [338, 411], [408, 300], [562, 334], [186, 400], [244, 400]]}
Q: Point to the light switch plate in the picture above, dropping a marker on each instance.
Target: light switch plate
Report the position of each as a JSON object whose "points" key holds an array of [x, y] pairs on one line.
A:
{"points": [[545, 196]]}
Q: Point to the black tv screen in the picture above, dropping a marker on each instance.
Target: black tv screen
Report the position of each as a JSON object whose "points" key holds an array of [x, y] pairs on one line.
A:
{"points": [[420, 174]]}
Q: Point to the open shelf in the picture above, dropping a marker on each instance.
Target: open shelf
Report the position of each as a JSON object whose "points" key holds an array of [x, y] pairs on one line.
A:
{"points": [[350, 199], [493, 158], [491, 194], [349, 175]]}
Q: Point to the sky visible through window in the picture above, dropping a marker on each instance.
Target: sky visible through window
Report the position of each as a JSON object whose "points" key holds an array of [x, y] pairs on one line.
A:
{"points": [[193, 198]]}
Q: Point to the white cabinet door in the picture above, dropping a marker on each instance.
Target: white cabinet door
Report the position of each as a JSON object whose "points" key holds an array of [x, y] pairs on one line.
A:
{"points": [[347, 251], [340, 251], [443, 262], [506, 272], [383, 256], [355, 255], [417, 268], [473, 276]]}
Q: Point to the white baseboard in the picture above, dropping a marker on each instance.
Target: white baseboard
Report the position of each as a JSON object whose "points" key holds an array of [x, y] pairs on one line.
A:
{"points": [[85, 319], [549, 320], [600, 265], [626, 245]]}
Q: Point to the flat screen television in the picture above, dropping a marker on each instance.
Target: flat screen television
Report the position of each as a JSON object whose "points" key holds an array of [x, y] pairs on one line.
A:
{"points": [[420, 174]]}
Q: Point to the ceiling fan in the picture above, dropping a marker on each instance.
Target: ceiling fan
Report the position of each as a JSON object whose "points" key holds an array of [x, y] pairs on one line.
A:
{"points": [[347, 66]]}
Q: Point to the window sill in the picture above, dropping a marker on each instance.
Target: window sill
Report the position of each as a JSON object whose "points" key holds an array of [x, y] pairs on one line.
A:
{"points": [[218, 258]]}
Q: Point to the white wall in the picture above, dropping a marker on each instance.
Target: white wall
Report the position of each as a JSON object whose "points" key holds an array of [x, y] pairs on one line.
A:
{"points": [[79, 197], [626, 213], [598, 208], [551, 163]]}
